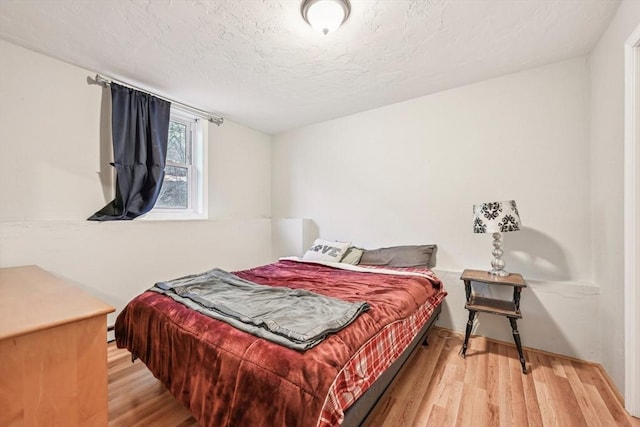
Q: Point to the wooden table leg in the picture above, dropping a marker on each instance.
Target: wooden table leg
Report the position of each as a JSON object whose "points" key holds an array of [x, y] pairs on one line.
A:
{"points": [[516, 338], [472, 315]]}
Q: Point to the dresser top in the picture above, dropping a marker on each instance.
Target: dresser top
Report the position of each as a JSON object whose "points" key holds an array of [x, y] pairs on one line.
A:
{"points": [[32, 299]]}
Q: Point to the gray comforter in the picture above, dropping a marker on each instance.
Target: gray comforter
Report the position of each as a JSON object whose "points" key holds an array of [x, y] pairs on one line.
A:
{"points": [[295, 318]]}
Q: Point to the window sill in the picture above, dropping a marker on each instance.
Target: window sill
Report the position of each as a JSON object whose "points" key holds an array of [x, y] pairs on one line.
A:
{"points": [[174, 216]]}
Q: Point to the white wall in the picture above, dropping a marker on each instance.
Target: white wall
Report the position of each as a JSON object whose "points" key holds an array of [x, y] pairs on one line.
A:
{"points": [[239, 172], [53, 163], [607, 172], [410, 172]]}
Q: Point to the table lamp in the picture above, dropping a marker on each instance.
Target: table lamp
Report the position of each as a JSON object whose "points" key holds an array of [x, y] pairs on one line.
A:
{"points": [[496, 218]]}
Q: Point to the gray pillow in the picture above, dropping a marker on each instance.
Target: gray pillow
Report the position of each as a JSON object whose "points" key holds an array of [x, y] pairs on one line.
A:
{"points": [[402, 256]]}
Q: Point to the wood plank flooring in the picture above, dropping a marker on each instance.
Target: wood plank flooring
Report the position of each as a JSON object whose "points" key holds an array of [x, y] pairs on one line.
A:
{"points": [[137, 398], [435, 388]]}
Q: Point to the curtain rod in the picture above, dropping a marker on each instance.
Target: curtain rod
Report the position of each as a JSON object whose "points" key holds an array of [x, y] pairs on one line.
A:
{"points": [[106, 81]]}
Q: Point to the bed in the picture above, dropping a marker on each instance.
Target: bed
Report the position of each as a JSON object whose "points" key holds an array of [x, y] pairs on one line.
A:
{"points": [[228, 377]]}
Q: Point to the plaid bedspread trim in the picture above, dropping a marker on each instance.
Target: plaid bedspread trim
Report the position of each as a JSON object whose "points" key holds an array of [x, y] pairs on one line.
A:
{"points": [[364, 368]]}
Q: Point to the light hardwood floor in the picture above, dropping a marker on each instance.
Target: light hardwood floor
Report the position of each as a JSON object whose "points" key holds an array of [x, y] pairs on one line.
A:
{"points": [[435, 388]]}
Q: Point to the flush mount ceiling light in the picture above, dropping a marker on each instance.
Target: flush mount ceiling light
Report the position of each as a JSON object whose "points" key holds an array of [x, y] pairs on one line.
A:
{"points": [[325, 15]]}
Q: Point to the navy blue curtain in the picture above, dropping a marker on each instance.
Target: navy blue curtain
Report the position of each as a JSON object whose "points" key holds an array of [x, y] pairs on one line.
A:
{"points": [[140, 130]]}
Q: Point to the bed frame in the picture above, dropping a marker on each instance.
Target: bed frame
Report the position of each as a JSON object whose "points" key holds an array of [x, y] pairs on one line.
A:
{"points": [[357, 413]]}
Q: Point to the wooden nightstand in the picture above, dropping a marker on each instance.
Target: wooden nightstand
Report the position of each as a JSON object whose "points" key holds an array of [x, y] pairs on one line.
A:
{"points": [[509, 309]]}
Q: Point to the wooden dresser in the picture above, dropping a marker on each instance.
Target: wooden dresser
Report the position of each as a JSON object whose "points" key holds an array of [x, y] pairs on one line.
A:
{"points": [[53, 351]]}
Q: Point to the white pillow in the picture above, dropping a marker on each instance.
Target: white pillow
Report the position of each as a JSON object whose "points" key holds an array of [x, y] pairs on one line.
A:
{"points": [[325, 250], [352, 256]]}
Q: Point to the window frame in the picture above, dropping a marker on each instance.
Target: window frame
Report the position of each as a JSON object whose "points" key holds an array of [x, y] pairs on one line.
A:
{"points": [[196, 151]]}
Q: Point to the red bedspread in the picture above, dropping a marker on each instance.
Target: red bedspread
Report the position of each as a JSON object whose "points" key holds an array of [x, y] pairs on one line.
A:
{"points": [[227, 377]]}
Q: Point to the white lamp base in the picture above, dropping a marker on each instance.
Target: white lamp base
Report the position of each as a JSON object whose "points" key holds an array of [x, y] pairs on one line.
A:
{"points": [[497, 262], [500, 273]]}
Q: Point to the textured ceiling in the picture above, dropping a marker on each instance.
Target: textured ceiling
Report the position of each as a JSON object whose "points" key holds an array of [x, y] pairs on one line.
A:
{"points": [[257, 62]]}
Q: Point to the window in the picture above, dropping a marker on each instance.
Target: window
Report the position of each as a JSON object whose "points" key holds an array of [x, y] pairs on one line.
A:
{"points": [[183, 194]]}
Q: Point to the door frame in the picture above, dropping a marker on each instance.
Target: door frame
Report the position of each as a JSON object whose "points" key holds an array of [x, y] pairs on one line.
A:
{"points": [[632, 223]]}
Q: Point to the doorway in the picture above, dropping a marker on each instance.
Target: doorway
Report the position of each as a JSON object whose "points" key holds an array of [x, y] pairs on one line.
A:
{"points": [[632, 223]]}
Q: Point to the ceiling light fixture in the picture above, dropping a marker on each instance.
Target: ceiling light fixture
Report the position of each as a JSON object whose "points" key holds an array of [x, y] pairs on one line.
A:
{"points": [[325, 15]]}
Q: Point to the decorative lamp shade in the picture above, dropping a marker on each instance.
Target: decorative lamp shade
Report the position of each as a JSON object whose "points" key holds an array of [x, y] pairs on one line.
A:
{"points": [[496, 217]]}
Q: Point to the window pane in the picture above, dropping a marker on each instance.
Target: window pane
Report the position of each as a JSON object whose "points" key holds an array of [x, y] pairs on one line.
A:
{"points": [[177, 145], [175, 189]]}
